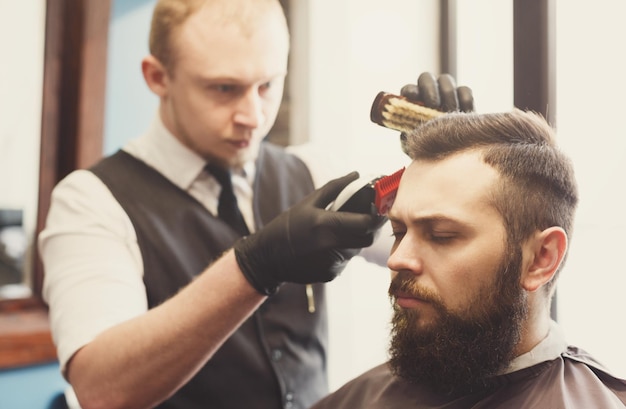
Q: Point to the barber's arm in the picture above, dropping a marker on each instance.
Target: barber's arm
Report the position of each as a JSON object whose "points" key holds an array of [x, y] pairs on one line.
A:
{"points": [[144, 360]]}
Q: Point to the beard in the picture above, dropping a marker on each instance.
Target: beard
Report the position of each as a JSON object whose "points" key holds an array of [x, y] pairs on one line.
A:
{"points": [[459, 353]]}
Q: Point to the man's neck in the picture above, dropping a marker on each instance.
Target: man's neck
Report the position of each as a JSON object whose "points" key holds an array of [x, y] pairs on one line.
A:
{"points": [[535, 330], [544, 348]]}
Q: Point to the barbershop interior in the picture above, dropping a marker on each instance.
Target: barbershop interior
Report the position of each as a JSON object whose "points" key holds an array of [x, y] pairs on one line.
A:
{"points": [[72, 93]]}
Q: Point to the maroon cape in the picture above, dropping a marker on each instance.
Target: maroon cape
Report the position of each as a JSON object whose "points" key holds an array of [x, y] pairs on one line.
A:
{"points": [[573, 381]]}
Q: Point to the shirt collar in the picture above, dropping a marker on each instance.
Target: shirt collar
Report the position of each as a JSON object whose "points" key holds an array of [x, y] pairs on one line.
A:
{"points": [[551, 347], [161, 150]]}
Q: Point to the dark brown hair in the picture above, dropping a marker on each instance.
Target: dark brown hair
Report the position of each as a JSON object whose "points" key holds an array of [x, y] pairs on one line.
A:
{"points": [[537, 188]]}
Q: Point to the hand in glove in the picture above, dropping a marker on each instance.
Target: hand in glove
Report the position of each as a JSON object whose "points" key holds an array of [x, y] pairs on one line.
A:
{"points": [[307, 243], [440, 93]]}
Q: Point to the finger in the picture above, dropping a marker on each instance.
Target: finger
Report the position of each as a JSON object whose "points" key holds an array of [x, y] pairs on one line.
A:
{"points": [[345, 227], [428, 90], [347, 242], [466, 99], [447, 92], [377, 223], [410, 91], [356, 241], [323, 196], [336, 230]]}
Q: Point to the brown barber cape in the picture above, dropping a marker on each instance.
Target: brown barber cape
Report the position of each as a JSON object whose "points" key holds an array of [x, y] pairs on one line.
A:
{"points": [[574, 381]]}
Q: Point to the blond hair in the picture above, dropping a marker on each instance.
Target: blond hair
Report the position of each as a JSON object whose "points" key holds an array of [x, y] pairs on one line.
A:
{"points": [[169, 15]]}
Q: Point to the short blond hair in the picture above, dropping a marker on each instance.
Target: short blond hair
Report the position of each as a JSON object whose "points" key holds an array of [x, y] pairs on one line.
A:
{"points": [[169, 15]]}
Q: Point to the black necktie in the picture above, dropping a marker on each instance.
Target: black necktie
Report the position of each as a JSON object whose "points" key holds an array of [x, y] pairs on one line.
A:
{"points": [[227, 209]]}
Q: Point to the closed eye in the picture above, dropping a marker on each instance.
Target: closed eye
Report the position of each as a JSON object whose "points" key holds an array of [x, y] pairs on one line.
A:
{"points": [[398, 235], [225, 88], [442, 238]]}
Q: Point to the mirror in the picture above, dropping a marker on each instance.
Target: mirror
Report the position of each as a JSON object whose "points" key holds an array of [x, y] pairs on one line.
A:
{"points": [[61, 131], [21, 82]]}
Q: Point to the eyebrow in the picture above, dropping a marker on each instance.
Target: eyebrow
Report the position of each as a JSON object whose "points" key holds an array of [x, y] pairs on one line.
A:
{"points": [[219, 79], [429, 220], [237, 80]]}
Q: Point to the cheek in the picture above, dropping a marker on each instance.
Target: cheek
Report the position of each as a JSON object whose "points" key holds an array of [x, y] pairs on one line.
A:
{"points": [[270, 110], [198, 109], [461, 278], [273, 98], [204, 117]]}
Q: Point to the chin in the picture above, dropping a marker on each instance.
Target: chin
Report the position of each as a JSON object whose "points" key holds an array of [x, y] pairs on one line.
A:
{"points": [[242, 157], [249, 154]]}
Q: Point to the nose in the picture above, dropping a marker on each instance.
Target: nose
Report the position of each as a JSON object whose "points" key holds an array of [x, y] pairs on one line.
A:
{"points": [[405, 256], [249, 110]]}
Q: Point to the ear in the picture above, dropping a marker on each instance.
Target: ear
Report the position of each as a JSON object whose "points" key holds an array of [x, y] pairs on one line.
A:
{"points": [[155, 75], [547, 249]]}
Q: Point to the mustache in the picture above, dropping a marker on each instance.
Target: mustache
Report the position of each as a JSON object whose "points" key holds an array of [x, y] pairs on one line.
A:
{"points": [[408, 286]]}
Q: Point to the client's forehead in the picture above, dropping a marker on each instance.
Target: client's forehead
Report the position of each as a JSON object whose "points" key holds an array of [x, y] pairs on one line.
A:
{"points": [[459, 186]]}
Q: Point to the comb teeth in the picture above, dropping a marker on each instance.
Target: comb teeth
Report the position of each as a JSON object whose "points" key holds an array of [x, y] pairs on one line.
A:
{"points": [[398, 113], [386, 189]]}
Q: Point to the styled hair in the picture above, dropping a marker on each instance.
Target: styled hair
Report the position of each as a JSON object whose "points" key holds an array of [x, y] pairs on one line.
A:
{"points": [[537, 187], [170, 15]]}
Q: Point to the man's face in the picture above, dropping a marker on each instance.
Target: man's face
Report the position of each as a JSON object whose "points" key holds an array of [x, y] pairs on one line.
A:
{"points": [[225, 89], [458, 304]]}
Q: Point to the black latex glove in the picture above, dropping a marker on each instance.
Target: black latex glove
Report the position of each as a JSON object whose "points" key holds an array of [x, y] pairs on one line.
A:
{"points": [[440, 93], [306, 244]]}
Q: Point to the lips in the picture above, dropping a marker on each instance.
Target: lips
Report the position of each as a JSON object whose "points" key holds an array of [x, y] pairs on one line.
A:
{"points": [[407, 299], [240, 144], [405, 295], [410, 302]]}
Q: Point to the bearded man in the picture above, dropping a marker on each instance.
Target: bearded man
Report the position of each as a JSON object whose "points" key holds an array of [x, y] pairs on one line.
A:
{"points": [[481, 222]]}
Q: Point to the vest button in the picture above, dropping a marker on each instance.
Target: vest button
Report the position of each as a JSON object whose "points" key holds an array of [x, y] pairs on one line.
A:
{"points": [[277, 354]]}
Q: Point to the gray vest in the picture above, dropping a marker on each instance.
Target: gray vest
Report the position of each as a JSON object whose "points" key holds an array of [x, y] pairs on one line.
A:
{"points": [[277, 358]]}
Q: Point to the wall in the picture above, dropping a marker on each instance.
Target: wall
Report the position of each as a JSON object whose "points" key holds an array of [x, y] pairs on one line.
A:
{"points": [[590, 110], [485, 52], [130, 106], [33, 387]]}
